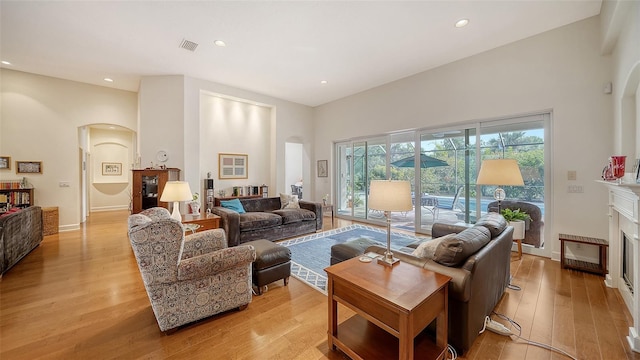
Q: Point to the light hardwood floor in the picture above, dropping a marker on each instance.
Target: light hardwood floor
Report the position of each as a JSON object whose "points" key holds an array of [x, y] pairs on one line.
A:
{"points": [[79, 295]]}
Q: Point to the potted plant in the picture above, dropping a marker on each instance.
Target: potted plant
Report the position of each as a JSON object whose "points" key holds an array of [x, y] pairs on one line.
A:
{"points": [[518, 219], [194, 205]]}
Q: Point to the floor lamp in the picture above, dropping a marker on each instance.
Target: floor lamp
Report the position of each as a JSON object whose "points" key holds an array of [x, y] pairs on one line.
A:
{"points": [[500, 172], [176, 191], [388, 196]]}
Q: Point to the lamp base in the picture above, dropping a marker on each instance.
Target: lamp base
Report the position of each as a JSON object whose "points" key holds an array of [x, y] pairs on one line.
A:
{"points": [[176, 211], [388, 262]]}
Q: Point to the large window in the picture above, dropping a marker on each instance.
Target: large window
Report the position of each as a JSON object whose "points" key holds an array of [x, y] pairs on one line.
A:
{"points": [[447, 161]]}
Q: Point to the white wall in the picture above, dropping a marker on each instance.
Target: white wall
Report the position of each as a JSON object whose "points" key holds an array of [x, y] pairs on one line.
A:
{"points": [[229, 126], [561, 70], [40, 117], [110, 192], [170, 117]]}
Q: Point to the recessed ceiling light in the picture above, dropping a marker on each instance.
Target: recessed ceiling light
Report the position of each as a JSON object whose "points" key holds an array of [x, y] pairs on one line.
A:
{"points": [[324, 82], [220, 43], [462, 23], [108, 79], [6, 62]]}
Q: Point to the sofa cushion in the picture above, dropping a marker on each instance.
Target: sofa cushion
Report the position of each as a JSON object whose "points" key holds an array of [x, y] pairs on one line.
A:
{"points": [[427, 249], [234, 205], [295, 215], [259, 220], [289, 201], [494, 222], [456, 249]]}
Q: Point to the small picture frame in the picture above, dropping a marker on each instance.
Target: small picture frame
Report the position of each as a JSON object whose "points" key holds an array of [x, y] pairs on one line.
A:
{"points": [[5, 162], [111, 169], [233, 166], [323, 170], [28, 167]]}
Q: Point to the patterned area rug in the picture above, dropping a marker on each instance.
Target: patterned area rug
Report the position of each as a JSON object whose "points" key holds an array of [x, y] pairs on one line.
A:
{"points": [[311, 254]]}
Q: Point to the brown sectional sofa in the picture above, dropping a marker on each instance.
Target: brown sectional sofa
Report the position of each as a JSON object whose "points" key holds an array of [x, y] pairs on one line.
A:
{"points": [[477, 283], [264, 219], [20, 232]]}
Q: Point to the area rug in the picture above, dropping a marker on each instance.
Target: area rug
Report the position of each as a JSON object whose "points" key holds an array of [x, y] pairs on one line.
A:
{"points": [[311, 254]]}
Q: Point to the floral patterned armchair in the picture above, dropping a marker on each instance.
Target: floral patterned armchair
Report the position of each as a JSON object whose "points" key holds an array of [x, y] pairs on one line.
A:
{"points": [[191, 277]]}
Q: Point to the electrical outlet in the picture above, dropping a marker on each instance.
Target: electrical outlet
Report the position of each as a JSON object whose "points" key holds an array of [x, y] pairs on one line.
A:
{"points": [[575, 189]]}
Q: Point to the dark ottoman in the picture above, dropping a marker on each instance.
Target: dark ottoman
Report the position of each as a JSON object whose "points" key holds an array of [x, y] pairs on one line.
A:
{"points": [[273, 262], [350, 249]]}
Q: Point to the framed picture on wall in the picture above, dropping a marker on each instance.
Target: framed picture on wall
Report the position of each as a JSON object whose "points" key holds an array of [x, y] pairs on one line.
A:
{"points": [[233, 166], [5, 162], [322, 168], [29, 167], [109, 168]]}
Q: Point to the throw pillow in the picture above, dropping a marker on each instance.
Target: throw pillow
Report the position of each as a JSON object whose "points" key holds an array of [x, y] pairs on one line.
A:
{"points": [[234, 205], [427, 249], [456, 250], [289, 201], [494, 222]]}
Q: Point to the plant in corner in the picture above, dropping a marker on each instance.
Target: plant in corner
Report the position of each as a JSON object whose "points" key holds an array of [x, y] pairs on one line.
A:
{"points": [[511, 215], [518, 219]]}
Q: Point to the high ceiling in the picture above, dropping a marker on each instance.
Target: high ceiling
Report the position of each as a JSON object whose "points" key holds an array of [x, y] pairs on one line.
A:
{"points": [[281, 49]]}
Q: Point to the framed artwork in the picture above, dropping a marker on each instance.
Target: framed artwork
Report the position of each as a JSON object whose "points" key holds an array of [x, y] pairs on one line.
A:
{"points": [[5, 162], [233, 166], [322, 168], [29, 167], [109, 168]]}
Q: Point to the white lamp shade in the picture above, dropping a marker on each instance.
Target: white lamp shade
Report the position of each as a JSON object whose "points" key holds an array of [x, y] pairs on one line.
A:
{"points": [[500, 172], [176, 191], [390, 195]]}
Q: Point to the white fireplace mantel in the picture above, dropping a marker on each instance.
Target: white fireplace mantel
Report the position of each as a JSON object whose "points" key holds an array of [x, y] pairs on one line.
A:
{"points": [[624, 216]]}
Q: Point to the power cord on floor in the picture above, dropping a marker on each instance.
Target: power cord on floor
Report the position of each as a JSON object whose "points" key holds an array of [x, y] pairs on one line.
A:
{"points": [[452, 352], [499, 328]]}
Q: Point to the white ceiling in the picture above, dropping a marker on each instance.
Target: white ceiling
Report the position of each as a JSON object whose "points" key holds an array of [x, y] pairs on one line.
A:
{"points": [[281, 49]]}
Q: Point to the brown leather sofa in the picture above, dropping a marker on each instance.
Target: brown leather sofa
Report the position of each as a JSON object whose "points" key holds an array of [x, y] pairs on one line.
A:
{"points": [[476, 286], [264, 219]]}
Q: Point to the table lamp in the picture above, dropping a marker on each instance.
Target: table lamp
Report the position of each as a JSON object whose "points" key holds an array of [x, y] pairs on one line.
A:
{"points": [[176, 191], [388, 196], [500, 172]]}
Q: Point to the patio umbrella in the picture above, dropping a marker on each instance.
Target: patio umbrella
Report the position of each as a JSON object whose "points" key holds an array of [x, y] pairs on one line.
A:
{"points": [[426, 161]]}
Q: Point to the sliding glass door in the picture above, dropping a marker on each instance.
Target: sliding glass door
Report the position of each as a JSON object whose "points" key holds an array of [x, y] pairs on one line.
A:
{"points": [[446, 173], [442, 166]]}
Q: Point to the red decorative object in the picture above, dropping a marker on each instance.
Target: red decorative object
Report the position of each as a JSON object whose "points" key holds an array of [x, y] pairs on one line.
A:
{"points": [[617, 166]]}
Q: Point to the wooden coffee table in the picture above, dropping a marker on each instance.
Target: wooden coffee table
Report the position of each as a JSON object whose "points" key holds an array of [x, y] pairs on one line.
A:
{"points": [[393, 306]]}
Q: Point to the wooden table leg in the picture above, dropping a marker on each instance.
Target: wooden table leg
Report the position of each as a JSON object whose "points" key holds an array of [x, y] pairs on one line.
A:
{"points": [[333, 316]]}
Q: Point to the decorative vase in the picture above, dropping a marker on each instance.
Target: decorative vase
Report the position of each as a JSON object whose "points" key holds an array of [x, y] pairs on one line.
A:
{"points": [[194, 207], [617, 166]]}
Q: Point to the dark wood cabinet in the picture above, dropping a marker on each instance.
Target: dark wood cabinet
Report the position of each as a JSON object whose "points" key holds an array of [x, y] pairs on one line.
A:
{"points": [[148, 185]]}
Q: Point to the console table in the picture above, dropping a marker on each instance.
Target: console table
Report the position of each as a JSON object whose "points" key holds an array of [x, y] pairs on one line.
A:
{"points": [[393, 306]]}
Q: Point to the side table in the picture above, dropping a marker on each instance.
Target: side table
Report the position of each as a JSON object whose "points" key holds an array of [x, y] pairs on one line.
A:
{"points": [[328, 207], [393, 306], [206, 221]]}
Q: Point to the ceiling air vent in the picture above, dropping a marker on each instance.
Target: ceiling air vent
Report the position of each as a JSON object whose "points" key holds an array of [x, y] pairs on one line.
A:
{"points": [[188, 45]]}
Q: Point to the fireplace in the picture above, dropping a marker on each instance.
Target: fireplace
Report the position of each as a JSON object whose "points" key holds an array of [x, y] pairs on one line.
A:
{"points": [[624, 250], [627, 262]]}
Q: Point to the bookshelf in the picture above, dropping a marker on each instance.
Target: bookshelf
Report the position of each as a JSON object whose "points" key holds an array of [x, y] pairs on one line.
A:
{"points": [[11, 193]]}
